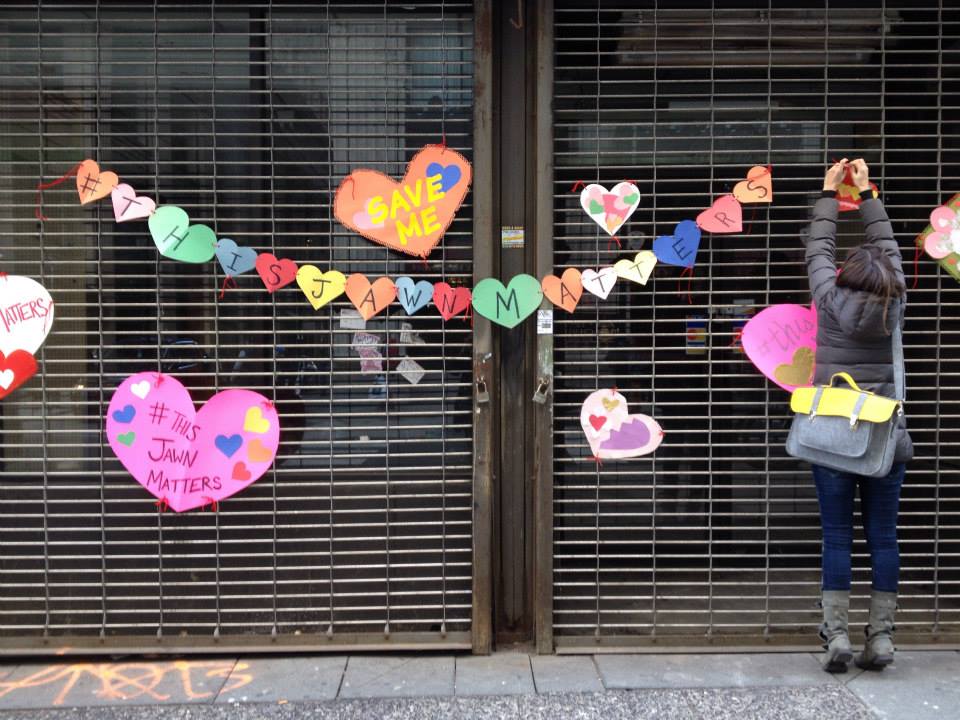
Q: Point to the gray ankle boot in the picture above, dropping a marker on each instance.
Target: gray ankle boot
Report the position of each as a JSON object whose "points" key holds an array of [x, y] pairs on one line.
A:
{"points": [[836, 605], [878, 649]]}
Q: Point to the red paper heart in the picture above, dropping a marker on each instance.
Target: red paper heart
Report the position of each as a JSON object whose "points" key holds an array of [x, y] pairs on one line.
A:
{"points": [[597, 421], [240, 472], [450, 301], [15, 369], [724, 216], [275, 273]]}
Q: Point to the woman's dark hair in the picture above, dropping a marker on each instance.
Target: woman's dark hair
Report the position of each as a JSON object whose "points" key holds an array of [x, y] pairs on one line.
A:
{"points": [[868, 269]]}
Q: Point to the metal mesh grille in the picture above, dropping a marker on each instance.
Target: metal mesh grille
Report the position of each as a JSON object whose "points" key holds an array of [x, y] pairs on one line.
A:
{"points": [[717, 536], [247, 115]]}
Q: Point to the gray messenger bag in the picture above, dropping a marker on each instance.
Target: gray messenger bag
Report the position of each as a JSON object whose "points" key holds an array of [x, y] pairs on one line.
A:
{"points": [[846, 428]]}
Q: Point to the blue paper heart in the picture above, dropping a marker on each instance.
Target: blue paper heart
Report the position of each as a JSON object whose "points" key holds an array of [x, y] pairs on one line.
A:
{"points": [[681, 247], [413, 296], [228, 445], [449, 175], [125, 415], [235, 260]]}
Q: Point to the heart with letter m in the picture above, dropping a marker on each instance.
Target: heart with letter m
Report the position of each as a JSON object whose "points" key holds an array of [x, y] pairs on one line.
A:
{"points": [[411, 215]]}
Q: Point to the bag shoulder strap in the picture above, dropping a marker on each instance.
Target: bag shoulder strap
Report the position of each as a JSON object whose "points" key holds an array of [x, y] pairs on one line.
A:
{"points": [[899, 372]]}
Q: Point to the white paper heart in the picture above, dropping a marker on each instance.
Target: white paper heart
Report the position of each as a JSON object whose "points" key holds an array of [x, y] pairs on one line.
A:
{"points": [[26, 314], [599, 282], [609, 208], [6, 378]]}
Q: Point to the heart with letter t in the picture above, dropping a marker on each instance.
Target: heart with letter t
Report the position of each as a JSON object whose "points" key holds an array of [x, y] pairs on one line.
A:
{"points": [[186, 457]]}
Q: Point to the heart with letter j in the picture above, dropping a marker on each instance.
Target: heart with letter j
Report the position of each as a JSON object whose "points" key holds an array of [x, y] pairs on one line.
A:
{"points": [[411, 215], [189, 457]]}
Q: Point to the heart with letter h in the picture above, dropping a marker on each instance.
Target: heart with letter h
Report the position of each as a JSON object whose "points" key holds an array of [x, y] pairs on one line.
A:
{"points": [[185, 457]]}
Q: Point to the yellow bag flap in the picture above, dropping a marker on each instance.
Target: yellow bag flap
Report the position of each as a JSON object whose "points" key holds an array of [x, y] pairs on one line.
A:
{"points": [[840, 402]]}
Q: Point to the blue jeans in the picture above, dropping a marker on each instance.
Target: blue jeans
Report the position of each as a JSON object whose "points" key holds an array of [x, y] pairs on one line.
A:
{"points": [[879, 505]]}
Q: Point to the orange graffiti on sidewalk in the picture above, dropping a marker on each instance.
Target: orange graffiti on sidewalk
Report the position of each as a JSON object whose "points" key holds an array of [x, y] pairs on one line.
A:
{"points": [[151, 681]]}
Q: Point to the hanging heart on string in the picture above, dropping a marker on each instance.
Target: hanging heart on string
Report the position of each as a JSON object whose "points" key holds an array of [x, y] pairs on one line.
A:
{"points": [[639, 269], [413, 296], [724, 216], [177, 239], [320, 287], [370, 298], [610, 209], [234, 259], [781, 342], [15, 369], [599, 282], [410, 216], [679, 248], [450, 301], [26, 314], [127, 205], [92, 184], [507, 306], [757, 188], [612, 432], [190, 457], [564, 291], [275, 272]]}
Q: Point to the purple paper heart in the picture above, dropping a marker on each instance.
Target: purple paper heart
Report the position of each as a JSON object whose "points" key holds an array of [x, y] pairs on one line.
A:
{"points": [[630, 436]]}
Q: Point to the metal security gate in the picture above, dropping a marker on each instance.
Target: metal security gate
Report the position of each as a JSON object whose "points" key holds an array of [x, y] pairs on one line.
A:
{"points": [[715, 538], [248, 115]]}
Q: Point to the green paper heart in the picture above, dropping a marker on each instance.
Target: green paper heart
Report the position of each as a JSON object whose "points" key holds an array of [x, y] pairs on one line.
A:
{"points": [[126, 438], [507, 306], [177, 239], [595, 207], [630, 199]]}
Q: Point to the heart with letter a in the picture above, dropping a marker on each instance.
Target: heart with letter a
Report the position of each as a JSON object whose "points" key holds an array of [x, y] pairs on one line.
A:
{"points": [[187, 457], [368, 297], [564, 291], [411, 215], [92, 184]]}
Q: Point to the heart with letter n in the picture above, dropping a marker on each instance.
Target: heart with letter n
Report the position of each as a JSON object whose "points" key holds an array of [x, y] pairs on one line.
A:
{"points": [[185, 457]]}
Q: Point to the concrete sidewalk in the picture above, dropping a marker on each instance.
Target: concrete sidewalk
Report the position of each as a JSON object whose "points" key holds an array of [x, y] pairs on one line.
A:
{"points": [[505, 685]]}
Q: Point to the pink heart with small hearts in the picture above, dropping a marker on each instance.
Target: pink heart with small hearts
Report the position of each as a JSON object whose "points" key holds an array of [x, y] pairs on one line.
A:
{"points": [[127, 205], [945, 238], [724, 216]]}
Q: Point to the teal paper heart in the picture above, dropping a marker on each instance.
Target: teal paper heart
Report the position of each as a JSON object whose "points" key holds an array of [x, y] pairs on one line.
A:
{"points": [[177, 239], [507, 306]]}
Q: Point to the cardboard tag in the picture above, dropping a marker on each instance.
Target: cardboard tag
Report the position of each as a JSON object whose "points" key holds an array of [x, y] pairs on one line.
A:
{"points": [[411, 370]]}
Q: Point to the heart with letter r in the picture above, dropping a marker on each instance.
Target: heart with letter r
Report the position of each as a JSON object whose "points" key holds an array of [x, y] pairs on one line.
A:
{"points": [[510, 305], [411, 215], [610, 209], [413, 295], [724, 216], [177, 239], [681, 247], [188, 457], [92, 184]]}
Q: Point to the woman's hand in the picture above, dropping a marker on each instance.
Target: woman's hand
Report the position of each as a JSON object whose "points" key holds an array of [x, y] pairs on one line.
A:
{"points": [[834, 176], [861, 174]]}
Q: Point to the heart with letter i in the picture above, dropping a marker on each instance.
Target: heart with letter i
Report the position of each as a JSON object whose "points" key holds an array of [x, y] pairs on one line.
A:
{"points": [[411, 215], [190, 458], [612, 431]]}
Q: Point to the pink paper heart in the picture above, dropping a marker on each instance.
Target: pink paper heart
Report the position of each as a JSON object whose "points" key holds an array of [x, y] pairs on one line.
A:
{"points": [[724, 216], [363, 221], [127, 205], [937, 245], [942, 218], [773, 336], [186, 457]]}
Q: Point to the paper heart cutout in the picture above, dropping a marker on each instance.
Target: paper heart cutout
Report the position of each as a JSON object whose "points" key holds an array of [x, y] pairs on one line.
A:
{"points": [[255, 422], [228, 444], [240, 471], [234, 259], [370, 298], [564, 291], [257, 452], [141, 389], [944, 239], [171, 448], [599, 282], [510, 305], [26, 314], [679, 248], [799, 371], [848, 196], [449, 174], [612, 432], [772, 338], [410, 216], [92, 184], [127, 205], [451, 301], [124, 415], [724, 216], [177, 239], [15, 369], [610, 209], [320, 287], [757, 188], [413, 296], [275, 272], [639, 269]]}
